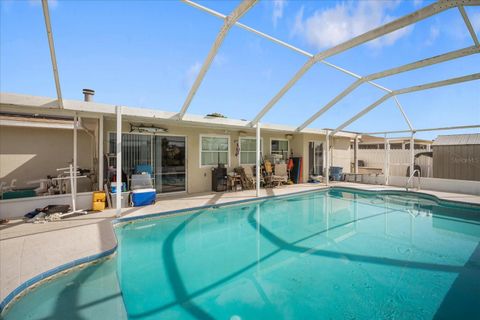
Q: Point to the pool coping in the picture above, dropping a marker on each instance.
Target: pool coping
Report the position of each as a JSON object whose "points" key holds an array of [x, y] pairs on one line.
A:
{"points": [[32, 283]]}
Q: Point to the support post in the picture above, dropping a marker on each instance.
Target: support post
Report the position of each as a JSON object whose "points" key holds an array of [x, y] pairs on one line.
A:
{"points": [[412, 153], [75, 156], [51, 45], [119, 163], [387, 160], [72, 186], [355, 154], [258, 161], [327, 158], [100, 153]]}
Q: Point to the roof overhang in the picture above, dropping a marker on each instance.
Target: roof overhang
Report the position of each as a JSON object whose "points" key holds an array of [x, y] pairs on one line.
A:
{"points": [[12, 102]]}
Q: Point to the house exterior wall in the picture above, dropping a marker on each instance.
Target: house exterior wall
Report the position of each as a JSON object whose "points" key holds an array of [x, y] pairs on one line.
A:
{"points": [[340, 155], [199, 178], [28, 154], [33, 153]]}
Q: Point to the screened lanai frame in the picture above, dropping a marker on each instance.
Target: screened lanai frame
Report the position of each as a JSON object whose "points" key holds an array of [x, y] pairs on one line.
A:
{"points": [[232, 20]]}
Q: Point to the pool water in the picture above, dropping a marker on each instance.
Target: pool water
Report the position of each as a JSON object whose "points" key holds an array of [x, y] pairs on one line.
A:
{"points": [[321, 255], [88, 293]]}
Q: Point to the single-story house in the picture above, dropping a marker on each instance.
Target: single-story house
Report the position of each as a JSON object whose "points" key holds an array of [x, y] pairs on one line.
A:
{"points": [[36, 139]]}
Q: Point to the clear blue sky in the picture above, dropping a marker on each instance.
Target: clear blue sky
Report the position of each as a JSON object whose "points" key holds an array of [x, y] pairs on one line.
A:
{"points": [[147, 53]]}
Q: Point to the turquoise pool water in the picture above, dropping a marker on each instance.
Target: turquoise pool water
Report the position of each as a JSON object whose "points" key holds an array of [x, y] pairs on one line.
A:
{"points": [[89, 293], [323, 255]]}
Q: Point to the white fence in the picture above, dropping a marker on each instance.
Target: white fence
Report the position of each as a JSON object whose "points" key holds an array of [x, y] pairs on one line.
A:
{"points": [[399, 161]]}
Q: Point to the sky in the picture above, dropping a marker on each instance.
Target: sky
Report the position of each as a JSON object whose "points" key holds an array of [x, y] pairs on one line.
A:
{"points": [[148, 53]]}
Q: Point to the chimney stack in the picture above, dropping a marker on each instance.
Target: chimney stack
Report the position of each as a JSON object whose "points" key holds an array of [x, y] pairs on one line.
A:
{"points": [[88, 94]]}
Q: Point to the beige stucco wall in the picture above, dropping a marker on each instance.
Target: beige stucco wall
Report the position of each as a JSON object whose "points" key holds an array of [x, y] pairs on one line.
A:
{"points": [[340, 154], [199, 178], [33, 153]]}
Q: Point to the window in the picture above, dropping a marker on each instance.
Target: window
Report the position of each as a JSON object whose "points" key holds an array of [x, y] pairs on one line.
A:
{"points": [[371, 146], [279, 147], [396, 146], [248, 150], [214, 150]]}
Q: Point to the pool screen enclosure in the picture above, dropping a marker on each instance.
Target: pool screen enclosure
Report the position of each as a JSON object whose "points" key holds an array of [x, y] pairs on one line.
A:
{"points": [[232, 20]]}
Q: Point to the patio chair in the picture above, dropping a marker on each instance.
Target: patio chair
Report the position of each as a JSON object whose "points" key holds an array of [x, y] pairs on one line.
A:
{"points": [[250, 175], [281, 174], [268, 177]]}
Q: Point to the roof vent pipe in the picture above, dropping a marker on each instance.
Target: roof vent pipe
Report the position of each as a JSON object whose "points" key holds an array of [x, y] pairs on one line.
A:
{"points": [[88, 94]]}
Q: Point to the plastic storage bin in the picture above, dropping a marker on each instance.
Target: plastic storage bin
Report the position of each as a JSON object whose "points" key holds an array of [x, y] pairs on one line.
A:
{"points": [[124, 200], [143, 197]]}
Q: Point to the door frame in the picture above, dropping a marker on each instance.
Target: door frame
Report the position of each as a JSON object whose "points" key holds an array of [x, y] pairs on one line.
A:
{"points": [[165, 134], [323, 153]]}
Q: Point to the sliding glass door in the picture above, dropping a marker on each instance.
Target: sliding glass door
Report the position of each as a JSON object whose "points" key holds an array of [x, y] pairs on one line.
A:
{"points": [[315, 158], [170, 172], [164, 155]]}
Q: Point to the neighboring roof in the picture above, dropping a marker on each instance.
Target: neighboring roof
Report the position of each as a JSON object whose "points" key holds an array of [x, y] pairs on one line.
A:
{"points": [[11, 102], [366, 139], [457, 139]]}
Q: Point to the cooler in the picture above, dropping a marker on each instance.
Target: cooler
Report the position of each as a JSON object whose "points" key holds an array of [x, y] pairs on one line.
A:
{"points": [[143, 197]]}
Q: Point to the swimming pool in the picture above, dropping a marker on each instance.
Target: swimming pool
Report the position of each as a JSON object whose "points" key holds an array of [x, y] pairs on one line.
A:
{"points": [[327, 254]]}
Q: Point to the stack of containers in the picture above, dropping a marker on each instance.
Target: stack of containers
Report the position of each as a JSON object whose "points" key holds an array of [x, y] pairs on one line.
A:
{"points": [[142, 190]]}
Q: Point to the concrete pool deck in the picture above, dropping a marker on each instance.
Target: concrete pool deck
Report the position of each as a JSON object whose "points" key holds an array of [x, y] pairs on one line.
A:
{"points": [[28, 250]]}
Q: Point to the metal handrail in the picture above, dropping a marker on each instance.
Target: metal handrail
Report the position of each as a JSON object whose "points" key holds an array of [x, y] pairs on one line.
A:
{"points": [[411, 177]]}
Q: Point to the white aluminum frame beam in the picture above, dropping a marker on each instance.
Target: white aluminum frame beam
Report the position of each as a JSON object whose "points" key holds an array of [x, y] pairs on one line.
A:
{"points": [[118, 164], [473, 126], [327, 158], [100, 154], [258, 161], [469, 25], [412, 154], [403, 113], [386, 160], [229, 21], [421, 87], [51, 45], [280, 42], [393, 71], [75, 161], [400, 23]]}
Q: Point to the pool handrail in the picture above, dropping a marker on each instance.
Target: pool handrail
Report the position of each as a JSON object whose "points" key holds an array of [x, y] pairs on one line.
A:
{"points": [[411, 177]]}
